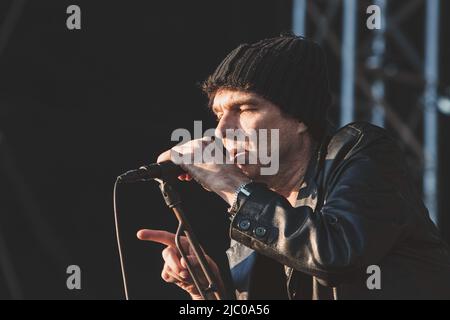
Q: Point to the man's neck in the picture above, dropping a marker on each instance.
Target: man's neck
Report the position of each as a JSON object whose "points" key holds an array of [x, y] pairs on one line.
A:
{"points": [[289, 178]]}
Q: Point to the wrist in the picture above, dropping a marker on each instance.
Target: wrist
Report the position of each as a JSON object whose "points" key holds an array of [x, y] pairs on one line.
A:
{"points": [[242, 194], [231, 185], [234, 204]]}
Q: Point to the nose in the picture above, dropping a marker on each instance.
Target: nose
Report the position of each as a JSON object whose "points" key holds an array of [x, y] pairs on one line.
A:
{"points": [[227, 121]]}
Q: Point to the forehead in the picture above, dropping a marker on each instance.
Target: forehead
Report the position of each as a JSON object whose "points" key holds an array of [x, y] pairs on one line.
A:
{"points": [[226, 98]]}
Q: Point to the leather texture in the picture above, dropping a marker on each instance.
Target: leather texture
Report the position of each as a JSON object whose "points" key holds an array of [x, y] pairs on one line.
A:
{"points": [[357, 207]]}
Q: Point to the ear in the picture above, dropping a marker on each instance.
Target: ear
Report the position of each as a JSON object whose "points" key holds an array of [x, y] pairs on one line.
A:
{"points": [[301, 128]]}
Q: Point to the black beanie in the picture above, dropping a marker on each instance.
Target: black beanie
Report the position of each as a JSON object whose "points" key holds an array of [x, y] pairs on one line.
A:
{"points": [[289, 71]]}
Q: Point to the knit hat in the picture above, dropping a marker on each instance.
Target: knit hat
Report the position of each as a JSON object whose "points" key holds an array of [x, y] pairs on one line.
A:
{"points": [[289, 71]]}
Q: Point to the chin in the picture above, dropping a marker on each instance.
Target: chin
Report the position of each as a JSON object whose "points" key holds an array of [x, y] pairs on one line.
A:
{"points": [[250, 170]]}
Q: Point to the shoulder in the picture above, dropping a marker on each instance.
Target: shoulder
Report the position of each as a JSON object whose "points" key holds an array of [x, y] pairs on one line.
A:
{"points": [[363, 151], [356, 137]]}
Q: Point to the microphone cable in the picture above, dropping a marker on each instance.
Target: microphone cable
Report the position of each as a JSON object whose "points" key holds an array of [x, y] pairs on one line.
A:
{"points": [[119, 246]]}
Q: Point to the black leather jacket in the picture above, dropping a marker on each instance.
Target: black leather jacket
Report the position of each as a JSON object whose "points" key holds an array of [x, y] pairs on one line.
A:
{"points": [[357, 207]]}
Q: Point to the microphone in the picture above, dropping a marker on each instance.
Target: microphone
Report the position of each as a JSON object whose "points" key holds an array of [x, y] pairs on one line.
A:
{"points": [[166, 170]]}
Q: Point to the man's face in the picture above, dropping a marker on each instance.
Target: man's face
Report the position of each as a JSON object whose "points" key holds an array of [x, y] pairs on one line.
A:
{"points": [[249, 112]]}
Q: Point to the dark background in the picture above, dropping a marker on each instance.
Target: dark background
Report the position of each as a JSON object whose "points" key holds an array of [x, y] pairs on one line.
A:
{"points": [[77, 108]]}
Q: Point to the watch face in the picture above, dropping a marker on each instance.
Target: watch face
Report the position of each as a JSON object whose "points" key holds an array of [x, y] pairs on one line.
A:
{"points": [[245, 191]]}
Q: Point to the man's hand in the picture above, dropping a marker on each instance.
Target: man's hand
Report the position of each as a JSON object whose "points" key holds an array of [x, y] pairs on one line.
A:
{"points": [[221, 178], [175, 269]]}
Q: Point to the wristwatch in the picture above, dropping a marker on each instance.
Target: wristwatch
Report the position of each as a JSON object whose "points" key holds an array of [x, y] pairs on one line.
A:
{"points": [[245, 191]]}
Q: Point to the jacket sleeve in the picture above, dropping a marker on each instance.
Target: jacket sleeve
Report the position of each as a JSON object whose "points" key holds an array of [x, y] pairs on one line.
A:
{"points": [[362, 218]]}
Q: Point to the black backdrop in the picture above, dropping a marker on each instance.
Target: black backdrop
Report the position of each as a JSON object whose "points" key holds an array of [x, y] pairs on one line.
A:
{"points": [[77, 108], [80, 107]]}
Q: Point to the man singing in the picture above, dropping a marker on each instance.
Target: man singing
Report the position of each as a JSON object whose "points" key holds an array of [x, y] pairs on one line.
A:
{"points": [[340, 204]]}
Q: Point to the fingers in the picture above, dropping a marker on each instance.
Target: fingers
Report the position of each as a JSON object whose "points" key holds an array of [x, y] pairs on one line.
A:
{"points": [[165, 156], [161, 236], [185, 153], [173, 271], [168, 275], [166, 238], [182, 278], [186, 284], [170, 254], [172, 259], [175, 268], [192, 260]]}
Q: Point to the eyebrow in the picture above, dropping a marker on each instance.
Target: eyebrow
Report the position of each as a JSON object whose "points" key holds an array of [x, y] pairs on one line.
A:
{"points": [[239, 102]]}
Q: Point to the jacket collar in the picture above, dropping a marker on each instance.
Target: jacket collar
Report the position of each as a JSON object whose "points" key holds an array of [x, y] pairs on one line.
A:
{"points": [[309, 190]]}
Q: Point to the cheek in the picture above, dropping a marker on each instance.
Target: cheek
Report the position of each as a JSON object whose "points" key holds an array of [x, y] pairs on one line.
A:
{"points": [[250, 122], [287, 135], [255, 121]]}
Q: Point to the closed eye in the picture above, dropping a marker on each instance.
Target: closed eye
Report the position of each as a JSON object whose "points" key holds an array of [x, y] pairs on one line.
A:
{"points": [[247, 110]]}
